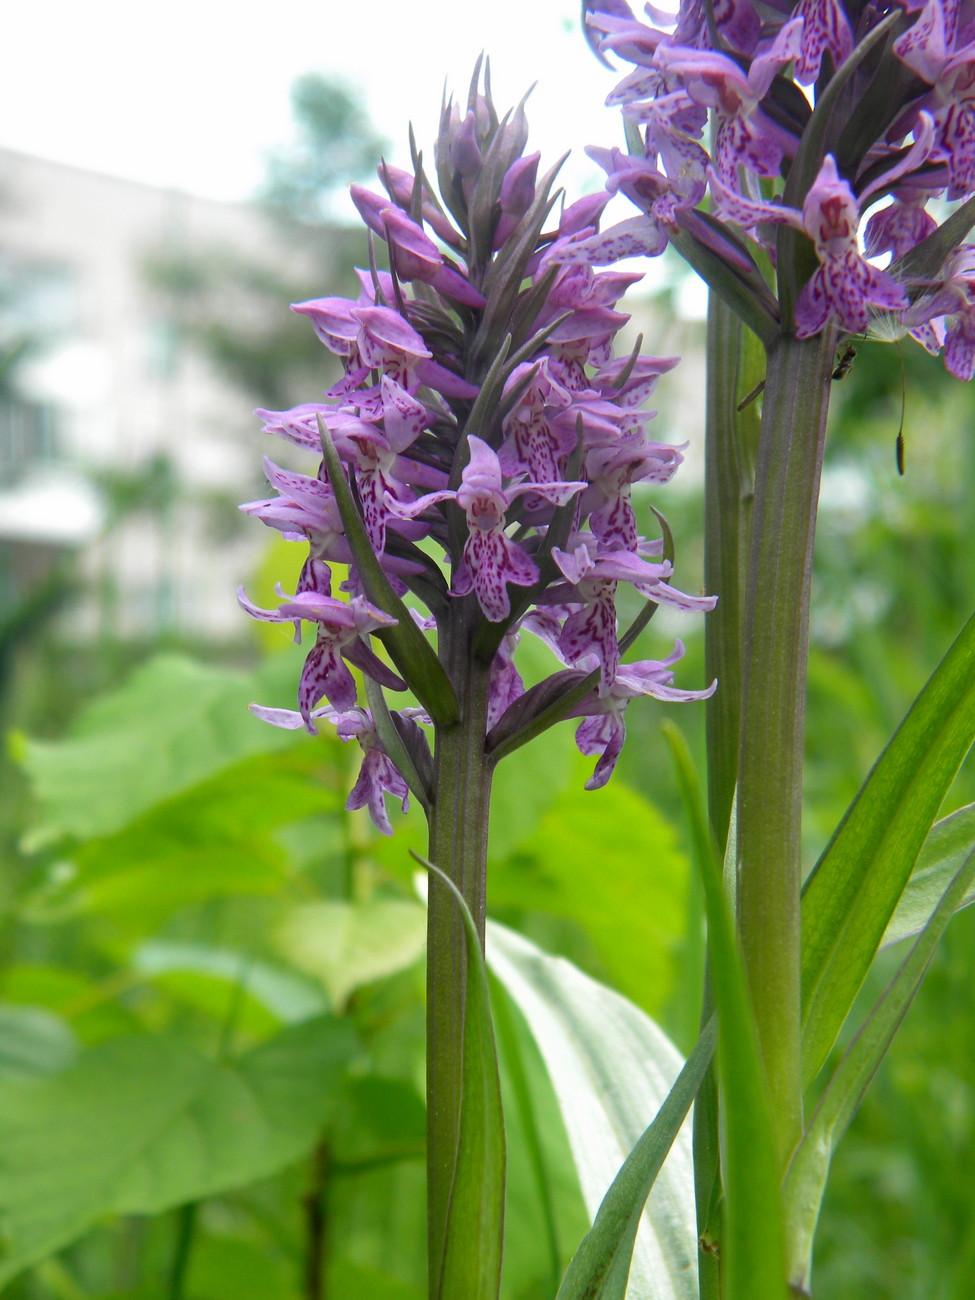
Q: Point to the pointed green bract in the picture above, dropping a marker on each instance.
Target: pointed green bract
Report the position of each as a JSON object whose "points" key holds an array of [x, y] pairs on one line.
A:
{"points": [[408, 648], [853, 891]]}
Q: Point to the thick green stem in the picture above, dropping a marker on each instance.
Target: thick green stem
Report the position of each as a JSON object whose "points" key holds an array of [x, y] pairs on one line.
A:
{"points": [[458, 845], [774, 661]]}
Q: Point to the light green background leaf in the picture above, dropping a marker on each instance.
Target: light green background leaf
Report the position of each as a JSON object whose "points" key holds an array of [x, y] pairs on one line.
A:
{"points": [[140, 1124]]}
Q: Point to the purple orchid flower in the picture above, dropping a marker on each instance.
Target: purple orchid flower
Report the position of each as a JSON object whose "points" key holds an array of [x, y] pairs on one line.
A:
{"points": [[490, 559], [342, 627], [845, 286], [746, 134], [604, 730], [377, 775]]}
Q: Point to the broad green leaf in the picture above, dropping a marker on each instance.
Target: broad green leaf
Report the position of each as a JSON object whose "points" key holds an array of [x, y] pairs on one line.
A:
{"points": [[806, 1179], [288, 996], [32, 1042], [87, 1005], [172, 724], [379, 1121], [348, 1281], [583, 839], [853, 891], [753, 1266], [348, 944], [611, 1068], [474, 1234], [221, 837], [600, 1267], [138, 1125], [526, 785], [944, 850]]}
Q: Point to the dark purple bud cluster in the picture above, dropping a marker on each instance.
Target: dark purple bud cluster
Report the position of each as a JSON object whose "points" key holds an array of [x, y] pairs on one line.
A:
{"points": [[478, 453], [832, 120]]}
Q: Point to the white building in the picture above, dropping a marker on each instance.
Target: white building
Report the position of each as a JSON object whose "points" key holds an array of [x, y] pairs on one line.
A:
{"points": [[107, 385]]}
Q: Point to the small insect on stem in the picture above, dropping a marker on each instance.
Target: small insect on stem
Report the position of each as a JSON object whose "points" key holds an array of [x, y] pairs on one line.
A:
{"points": [[899, 445], [751, 395], [844, 362]]}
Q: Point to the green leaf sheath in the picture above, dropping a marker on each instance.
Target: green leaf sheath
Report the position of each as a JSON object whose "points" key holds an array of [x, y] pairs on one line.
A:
{"points": [[774, 663], [458, 846], [853, 891], [474, 1229], [735, 366], [753, 1266]]}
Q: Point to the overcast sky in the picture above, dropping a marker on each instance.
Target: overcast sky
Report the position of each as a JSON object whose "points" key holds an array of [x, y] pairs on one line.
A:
{"points": [[193, 93]]}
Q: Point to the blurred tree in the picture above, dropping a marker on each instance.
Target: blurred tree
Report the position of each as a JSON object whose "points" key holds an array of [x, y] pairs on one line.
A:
{"points": [[234, 309], [334, 143]]}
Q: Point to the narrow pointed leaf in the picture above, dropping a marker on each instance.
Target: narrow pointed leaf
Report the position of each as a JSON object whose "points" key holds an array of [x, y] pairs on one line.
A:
{"points": [[944, 851], [611, 1069], [408, 648], [600, 1267], [806, 1178], [854, 889], [752, 1246], [475, 1216]]}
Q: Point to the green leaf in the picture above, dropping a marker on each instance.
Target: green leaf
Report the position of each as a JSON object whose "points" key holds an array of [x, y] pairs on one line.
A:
{"points": [[346, 945], [474, 1232], [852, 893], [948, 844], [806, 1178], [171, 725], [753, 1266], [611, 1068], [218, 838], [600, 1267], [581, 840], [138, 1125], [32, 1042], [289, 997]]}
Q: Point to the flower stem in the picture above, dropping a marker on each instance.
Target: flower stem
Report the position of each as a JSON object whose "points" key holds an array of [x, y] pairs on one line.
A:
{"points": [[774, 662], [458, 845]]}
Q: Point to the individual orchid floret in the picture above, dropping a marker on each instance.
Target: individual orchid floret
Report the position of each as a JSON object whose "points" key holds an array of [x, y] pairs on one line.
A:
{"points": [[342, 628], [604, 729], [414, 255], [377, 775], [845, 286], [955, 298], [826, 30], [490, 559], [746, 133], [592, 575]]}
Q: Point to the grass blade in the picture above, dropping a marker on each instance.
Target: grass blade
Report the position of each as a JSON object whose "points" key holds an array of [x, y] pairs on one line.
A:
{"points": [[853, 891]]}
